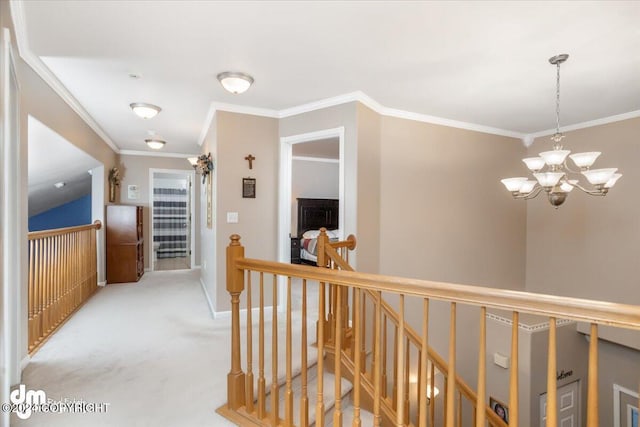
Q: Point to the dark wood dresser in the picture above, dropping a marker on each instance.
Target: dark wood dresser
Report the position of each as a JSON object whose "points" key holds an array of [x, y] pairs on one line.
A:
{"points": [[125, 245]]}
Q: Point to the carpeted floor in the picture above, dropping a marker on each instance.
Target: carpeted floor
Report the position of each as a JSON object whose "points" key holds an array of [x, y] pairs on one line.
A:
{"points": [[151, 350]]}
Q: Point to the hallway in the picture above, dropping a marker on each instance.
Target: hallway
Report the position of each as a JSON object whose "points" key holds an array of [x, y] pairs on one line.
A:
{"points": [[151, 350]]}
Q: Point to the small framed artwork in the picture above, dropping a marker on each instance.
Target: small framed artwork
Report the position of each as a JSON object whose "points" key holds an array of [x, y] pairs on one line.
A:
{"points": [[500, 409], [625, 407], [632, 416], [249, 188]]}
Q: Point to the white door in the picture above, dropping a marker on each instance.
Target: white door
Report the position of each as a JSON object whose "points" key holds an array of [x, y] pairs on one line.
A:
{"points": [[568, 406]]}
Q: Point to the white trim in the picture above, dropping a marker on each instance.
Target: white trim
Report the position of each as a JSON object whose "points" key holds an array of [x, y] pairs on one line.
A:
{"points": [[617, 389], [588, 124], [245, 109], [211, 114], [315, 159], [323, 103], [24, 362], [20, 27], [206, 296], [528, 328], [103, 284], [192, 239], [156, 154]]}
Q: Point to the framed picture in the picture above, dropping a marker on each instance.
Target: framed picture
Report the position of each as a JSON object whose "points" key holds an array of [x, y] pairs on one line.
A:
{"points": [[249, 188], [625, 407], [500, 409], [632, 416]]}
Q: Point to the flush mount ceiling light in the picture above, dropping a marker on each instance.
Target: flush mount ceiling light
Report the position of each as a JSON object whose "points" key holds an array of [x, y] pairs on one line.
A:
{"points": [[144, 110], [59, 184], [155, 143], [559, 178], [235, 82]]}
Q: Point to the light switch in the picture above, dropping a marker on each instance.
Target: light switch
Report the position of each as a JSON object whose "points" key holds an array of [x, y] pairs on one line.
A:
{"points": [[232, 217], [501, 360]]}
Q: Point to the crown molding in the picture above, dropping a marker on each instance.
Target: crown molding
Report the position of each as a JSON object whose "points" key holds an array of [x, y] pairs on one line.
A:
{"points": [[588, 124], [20, 27], [242, 109], [156, 154], [315, 159], [542, 326], [211, 114]]}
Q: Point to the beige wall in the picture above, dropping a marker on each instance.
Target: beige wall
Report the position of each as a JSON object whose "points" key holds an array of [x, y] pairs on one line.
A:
{"points": [[135, 171], [588, 247], [238, 135]]}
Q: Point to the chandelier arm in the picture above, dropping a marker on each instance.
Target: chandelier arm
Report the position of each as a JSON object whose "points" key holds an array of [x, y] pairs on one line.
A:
{"points": [[531, 195], [566, 166], [589, 192]]}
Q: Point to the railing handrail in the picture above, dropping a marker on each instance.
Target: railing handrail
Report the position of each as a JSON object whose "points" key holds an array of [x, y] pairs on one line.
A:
{"points": [[578, 309], [33, 235]]}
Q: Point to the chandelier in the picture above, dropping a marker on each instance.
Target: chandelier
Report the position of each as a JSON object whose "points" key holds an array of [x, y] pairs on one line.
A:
{"points": [[552, 172]]}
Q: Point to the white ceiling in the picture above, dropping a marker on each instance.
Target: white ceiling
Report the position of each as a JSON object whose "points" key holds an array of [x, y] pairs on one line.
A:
{"points": [[53, 159], [482, 63]]}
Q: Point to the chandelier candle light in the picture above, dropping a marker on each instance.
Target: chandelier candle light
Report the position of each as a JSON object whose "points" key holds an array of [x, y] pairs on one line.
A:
{"points": [[558, 179]]}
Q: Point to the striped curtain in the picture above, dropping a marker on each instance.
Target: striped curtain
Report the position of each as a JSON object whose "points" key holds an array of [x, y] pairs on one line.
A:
{"points": [[170, 222]]}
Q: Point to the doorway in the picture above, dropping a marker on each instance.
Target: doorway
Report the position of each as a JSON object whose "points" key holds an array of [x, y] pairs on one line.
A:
{"points": [[568, 406], [171, 212]]}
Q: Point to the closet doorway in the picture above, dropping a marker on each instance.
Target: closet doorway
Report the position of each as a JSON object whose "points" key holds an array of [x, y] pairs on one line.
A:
{"points": [[170, 217]]}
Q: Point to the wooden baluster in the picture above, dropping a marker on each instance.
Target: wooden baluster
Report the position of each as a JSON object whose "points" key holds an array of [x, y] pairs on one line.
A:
{"points": [[383, 392], [377, 416], [424, 359], [304, 398], [321, 339], [552, 404], [337, 411], [235, 285], [451, 373], [30, 295], [357, 358], [407, 369], [432, 397], [249, 376], [363, 335], [459, 420], [399, 374], [288, 397], [40, 290], [514, 400], [275, 417], [46, 282], [592, 385], [394, 389], [261, 380], [481, 397]]}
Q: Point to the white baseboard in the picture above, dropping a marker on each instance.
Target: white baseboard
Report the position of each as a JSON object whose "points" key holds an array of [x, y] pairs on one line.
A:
{"points": [[24, 362], [206, 295], [103, 284]]}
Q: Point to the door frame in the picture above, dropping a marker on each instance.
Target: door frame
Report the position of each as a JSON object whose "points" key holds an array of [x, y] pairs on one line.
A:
{"points": [[284, 189], [192, 245]]}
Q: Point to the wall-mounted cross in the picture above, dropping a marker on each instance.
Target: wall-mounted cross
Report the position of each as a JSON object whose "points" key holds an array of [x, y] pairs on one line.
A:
{"points": [[250, 159]]}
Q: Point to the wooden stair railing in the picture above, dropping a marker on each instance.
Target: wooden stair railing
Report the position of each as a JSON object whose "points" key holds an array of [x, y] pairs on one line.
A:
{"points": [[62, 276], [355, 330]]}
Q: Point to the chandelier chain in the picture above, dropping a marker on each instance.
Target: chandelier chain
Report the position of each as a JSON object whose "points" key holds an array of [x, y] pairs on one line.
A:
{"points": [[558, 99]]}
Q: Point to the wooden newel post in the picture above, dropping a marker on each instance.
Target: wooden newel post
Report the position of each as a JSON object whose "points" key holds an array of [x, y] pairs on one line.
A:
{"points": [[235, 286]]}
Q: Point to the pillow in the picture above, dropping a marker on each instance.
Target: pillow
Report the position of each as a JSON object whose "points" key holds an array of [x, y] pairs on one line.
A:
{"points": [[313, 234]]}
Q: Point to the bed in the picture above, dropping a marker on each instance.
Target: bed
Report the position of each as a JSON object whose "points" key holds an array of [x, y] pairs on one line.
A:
{"points": [[314, 214]]}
